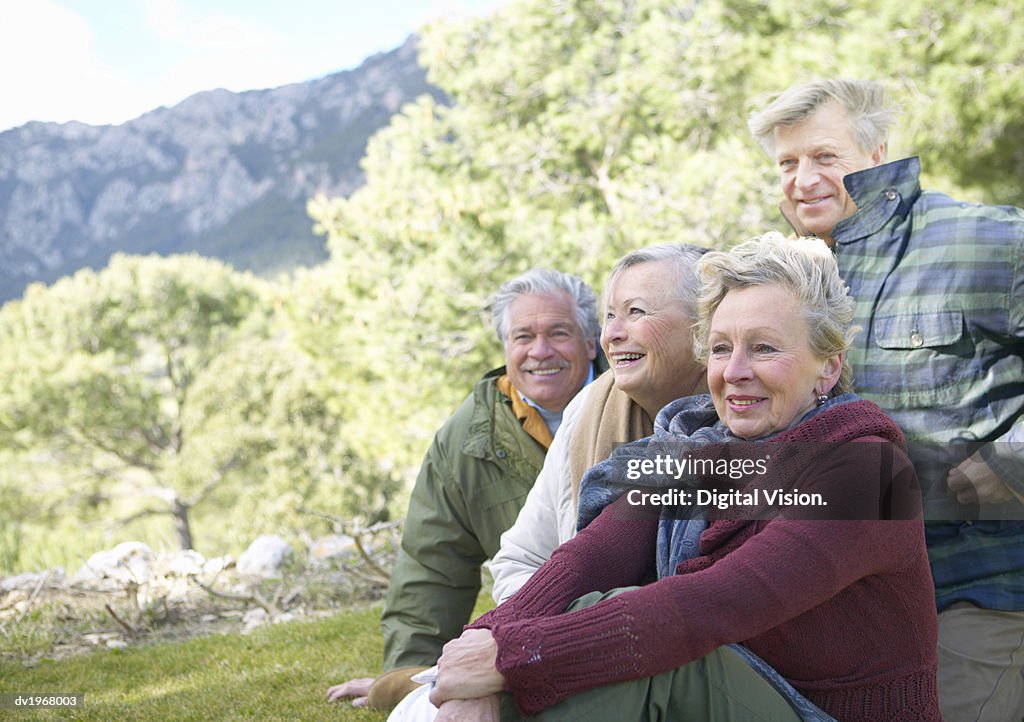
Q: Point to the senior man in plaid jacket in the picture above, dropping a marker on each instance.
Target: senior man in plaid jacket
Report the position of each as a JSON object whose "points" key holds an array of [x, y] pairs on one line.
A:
{"points": [[939, 286]]}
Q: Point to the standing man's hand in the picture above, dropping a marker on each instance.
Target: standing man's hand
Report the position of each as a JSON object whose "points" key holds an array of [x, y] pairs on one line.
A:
{"points": [[974, 482]]}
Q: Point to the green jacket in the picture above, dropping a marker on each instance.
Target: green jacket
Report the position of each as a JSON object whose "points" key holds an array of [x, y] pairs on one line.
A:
{"points": [[473, 482]]}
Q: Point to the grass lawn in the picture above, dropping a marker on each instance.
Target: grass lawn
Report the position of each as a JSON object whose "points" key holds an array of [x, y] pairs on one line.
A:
{"points": [[276, 672]]}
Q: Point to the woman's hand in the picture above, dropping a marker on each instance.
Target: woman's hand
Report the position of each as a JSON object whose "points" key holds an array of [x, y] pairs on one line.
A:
{"points": [[467, 669]]}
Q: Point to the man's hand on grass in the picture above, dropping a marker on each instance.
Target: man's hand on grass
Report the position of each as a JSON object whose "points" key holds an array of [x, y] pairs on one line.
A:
{"points": [[358, 688]]}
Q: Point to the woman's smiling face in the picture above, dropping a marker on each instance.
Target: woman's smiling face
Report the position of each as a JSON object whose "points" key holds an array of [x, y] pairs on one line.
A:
{"points": [[647, 336], [762, 372]]}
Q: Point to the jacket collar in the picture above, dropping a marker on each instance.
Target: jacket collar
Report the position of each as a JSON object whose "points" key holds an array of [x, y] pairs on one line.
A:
{"points": [[478, 441], [880, 193]]}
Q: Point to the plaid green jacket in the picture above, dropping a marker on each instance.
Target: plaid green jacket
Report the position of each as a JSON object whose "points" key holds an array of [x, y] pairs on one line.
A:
{"points": [[939, 289]]}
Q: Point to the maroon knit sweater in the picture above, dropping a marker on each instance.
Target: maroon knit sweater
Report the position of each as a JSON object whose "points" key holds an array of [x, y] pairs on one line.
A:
{"points": [[844, 610]]}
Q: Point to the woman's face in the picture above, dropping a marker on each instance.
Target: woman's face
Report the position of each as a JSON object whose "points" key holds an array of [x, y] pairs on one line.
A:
{"points": [[762, 373], [647, 336]]}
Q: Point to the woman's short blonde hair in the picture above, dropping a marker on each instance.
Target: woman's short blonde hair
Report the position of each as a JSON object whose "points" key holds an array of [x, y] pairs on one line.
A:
{"points": [[803, 266]]}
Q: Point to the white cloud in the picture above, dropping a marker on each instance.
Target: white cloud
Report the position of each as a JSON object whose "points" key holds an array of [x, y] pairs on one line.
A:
{"points": [[163, 17], [51, 67], [448, 9], [203, 29], [217, 51], [53, 72]]}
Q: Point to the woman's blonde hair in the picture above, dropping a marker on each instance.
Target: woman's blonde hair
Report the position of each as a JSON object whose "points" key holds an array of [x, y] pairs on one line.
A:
{"points": [[806, 268]]}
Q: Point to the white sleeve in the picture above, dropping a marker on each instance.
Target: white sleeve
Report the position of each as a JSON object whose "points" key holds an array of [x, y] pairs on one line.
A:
{"points": [[547, 519]]}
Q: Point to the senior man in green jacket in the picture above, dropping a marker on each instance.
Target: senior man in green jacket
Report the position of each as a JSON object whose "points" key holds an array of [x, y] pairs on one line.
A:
{"points": [[478, 471]]}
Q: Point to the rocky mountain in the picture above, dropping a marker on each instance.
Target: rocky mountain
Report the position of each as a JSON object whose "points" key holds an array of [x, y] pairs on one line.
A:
{"points": [[222, 174]]}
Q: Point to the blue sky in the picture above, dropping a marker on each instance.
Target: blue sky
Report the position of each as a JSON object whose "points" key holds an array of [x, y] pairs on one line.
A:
{"points": [[107, 61]]}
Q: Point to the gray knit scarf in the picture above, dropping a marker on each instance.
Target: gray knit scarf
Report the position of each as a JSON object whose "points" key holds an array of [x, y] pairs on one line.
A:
{"points": [[687, 426]]}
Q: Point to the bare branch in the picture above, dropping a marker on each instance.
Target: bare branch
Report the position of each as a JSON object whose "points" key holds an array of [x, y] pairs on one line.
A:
{"points": [[374, 579], [337, 523], [218, 477], [254, 598], [140, 515], [157, 443], [32, 597], [180, 386], [127, 458], [129, 629], [357, 532], [374, 566], [340, 523]]}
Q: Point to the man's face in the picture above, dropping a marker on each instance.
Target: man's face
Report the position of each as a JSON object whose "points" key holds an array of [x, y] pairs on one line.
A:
{"points": [[547, 356], [813, 156]]}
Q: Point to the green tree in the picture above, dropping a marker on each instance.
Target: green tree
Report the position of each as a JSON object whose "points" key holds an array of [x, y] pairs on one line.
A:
{"points": [[383, 390], [168, 387], [578, 130], [960, 79], [97, 376], [265, 404], [572, 139], [581, 129]]}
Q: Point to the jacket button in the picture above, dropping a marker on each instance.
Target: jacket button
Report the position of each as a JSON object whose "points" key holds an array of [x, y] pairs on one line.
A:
{"points": [[890, 194], [500, 453], [916, 340]]}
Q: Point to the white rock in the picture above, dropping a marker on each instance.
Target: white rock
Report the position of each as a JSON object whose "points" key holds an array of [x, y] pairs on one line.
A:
{"points": [[254, 618], [185, 563], [217, 565], [30, 580], [129, 561], [333, 546], [264, 557]]}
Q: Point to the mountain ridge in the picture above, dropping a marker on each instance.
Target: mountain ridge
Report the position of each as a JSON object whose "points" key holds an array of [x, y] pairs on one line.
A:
{"points": [[221, 173]]}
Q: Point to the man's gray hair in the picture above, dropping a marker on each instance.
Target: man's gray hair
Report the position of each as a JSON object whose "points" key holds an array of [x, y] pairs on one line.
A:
{"points": [[806, 268], [544, 281], [682, 256], [871, 116]]}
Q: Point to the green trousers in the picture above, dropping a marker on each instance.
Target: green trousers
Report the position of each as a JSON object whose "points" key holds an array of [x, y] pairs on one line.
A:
{"points": [[720, 686]]}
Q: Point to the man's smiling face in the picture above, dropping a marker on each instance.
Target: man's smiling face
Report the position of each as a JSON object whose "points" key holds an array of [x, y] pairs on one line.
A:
{"points": [[547, 355], [813, 156]]}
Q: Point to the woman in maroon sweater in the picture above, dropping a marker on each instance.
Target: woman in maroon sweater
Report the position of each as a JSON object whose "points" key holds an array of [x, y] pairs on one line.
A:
{"points": [[821, 603]]}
